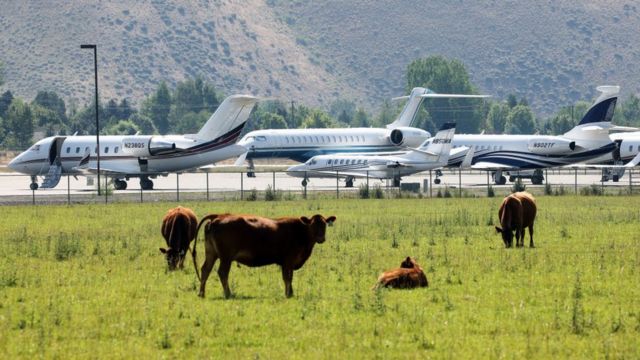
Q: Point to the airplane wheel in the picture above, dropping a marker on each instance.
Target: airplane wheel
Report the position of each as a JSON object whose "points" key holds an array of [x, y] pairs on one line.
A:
{"points": [[502, 180], [436, 181], [33, 186], [349, 183], [146, 184], [536, 180], [512, 178], [251, 174], [616, 178], [120, 184], [304, 182]]}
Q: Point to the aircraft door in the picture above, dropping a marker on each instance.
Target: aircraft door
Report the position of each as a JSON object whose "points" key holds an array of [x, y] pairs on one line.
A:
{"points": [[55, 149]]}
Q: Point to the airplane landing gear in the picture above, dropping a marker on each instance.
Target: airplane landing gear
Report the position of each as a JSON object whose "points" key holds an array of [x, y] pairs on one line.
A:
{"points": [[349, 182], [34, 183], [146, 184], [120, 184], [305, 182], [396, 182], [437, 179], [499, 178]]}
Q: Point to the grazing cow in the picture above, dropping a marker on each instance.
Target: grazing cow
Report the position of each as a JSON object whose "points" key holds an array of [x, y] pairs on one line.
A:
{"points": [[257, 241], [178, 229], [517, 212], [408, 276]]}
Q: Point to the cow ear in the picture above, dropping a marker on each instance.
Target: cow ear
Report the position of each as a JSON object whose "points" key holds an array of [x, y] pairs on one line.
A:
{"points": [[498, 230], [330, 220], [305, 220], [163, 250]]}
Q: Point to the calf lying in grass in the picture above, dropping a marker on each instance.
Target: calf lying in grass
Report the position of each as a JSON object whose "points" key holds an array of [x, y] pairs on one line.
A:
{"points": [[408, 276]]}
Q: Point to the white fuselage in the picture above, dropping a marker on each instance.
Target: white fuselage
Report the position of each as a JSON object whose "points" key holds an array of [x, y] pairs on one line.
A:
{"points": [[115, 158], [529, 151], [629, 148], [302, 144]]}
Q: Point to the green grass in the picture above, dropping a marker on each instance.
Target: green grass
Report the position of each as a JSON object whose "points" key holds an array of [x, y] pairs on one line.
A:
{"points": [[89, 281]]}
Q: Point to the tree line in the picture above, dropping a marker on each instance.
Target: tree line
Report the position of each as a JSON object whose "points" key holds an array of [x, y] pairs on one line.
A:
{"points": [[185, 108]]}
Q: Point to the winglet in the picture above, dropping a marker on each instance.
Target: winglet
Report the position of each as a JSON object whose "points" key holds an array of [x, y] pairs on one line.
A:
{"points": [[468, 158]]}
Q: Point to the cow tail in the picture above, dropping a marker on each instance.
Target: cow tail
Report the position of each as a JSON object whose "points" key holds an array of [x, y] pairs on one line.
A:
{"points": [[209, 217]]}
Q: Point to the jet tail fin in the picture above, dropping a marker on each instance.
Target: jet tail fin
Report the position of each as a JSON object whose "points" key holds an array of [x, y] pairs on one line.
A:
{"points": [[596, 122], [440, 145], [231, 115]]}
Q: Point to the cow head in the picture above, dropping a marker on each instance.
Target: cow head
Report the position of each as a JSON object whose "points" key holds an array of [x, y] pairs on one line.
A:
{"points": [[409, 263], [174, 257], [507, 236], [318, 226]]}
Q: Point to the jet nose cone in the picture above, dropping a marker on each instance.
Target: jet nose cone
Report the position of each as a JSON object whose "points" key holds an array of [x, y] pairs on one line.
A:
{"points": [[13, 164], [296, 171]]}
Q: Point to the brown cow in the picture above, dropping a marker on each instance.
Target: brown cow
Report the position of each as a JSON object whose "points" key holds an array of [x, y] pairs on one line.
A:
{"points": [[408, 276], [178, 229], [517, 212], [257, 241]]}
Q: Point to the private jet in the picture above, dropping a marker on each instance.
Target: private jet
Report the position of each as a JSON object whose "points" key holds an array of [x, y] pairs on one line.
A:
{"points": [[302, 144], [514, 153], [433, 153], [142, 156]]}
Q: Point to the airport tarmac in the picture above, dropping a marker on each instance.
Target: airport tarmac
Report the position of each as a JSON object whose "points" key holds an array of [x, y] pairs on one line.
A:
{"points": [[14, 187]]}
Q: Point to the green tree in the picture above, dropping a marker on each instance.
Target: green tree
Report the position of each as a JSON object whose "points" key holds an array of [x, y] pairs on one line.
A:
{"points": [[2, 133], [19, 123], [51, 101], [559, 124], [512, 101], [343, 111], [125, 109], [386, 115], [5, 101], [444, 76], [191, 122], [318, 119], [122, 127], [631, 111], [360, 119], [143, 123], [157, 108], [496, 118], [520, 121], [1, 73]]}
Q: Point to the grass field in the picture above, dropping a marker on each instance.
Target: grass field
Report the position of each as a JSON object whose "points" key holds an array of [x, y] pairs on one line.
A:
{"points": [[89, 281]]}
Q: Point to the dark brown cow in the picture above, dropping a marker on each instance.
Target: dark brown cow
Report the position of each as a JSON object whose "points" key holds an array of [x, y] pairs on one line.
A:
{"points": [[517, 212], [257, 241], [178, 229], [408, 276]]}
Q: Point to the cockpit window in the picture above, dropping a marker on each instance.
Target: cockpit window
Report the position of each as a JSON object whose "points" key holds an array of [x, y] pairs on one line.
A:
{"points": [[35, 147], [261, 138]]}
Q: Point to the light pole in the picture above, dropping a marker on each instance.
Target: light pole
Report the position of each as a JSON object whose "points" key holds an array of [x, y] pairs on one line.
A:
{"points": [[95, 67]]}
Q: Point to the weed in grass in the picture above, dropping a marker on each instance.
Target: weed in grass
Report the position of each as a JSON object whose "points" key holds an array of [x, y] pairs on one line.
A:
{"points": [[518, 186], [377, 192], [252, 195], [66, 247], [577, 312], [490, 191]]}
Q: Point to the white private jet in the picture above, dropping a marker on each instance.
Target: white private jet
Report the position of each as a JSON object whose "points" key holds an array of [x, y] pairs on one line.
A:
{"points": [[513, 153], [143, 156], [627, 150], [302, 144], [433, 153]]}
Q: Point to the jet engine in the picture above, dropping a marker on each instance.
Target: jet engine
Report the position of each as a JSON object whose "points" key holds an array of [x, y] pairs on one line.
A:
{"points": [[551, 145], [143, 146], [406, 136]]}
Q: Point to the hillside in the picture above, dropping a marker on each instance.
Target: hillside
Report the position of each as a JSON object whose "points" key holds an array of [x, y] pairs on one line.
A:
{"points": [[553, 53]]}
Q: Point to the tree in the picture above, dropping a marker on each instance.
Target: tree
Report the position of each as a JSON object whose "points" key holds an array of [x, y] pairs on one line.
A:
{"points": [[520, 121], [19, 124], [111, 113], [360, 119], [559, 124], [444, 76], [122, 127], [5, 101], [125, 109], [318, 119], [51, 101], [496, 118], [143, 123], [343, 111], [1, 73], [157, 108], [631, 111], [512, 101], [191, 122], [386, 115]]}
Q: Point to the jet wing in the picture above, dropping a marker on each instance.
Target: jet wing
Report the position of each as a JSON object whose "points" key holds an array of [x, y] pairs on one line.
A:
{"points": [[632, 163], [485, 165]]}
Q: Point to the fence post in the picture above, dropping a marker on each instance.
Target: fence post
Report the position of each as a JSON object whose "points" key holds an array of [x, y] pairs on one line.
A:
{"points": [[430, 185], [305, 184], [460, 182], [575, 182], [207, 185], [106, 193], [177, 187], [488, 183], [274, 182], [141, 194], [367, 181], [630, 184], [68, 191], [337, 186], [33, 197], [241, 186]]}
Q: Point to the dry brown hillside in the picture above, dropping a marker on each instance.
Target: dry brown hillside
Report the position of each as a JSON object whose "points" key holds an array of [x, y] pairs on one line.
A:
{"points": [[552, 52], [237, 45]]}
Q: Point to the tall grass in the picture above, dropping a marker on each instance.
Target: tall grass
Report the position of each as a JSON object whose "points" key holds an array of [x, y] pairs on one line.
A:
{"points": [[89, 281]]}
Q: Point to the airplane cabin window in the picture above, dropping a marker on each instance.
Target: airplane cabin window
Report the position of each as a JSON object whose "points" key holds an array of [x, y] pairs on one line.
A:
{"points": [[87, 149], [68, 150], [261, 138], [329, 162], [77, 149], [115, 150], [318, 141], [341, 161], [334, 138], [630, 148], [106, 149], [366, 161], [352, 138]]}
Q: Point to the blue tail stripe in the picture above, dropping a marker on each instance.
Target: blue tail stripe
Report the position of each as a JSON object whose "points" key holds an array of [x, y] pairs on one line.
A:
{"points": [[602, 111]]}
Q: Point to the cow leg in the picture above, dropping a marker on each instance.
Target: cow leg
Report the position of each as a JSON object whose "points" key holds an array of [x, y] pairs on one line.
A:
{"points": [[223, 273], [287, 276], [209, 261], [531, 236], [518, 235]]}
